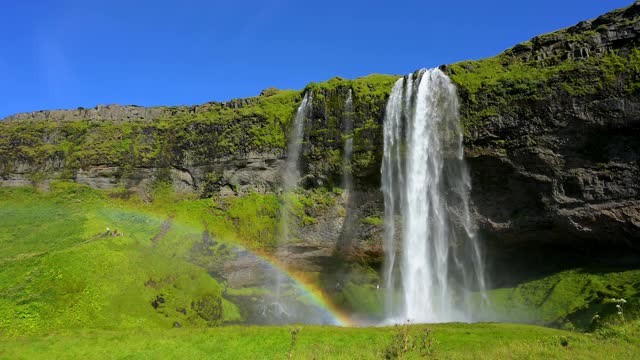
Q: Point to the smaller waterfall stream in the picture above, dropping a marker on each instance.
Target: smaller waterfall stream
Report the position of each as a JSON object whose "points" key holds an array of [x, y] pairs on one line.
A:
{"points": [[347, 232], [290, 180], [291, 174], [347, 180], [292, 167]]}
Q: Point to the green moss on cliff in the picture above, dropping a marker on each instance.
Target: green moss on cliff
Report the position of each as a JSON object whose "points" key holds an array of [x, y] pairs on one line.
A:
{"points": [[508, 78], [373, 220], [202, 135], [330, 130], [194, 135], [255, 218], [567, 64]]}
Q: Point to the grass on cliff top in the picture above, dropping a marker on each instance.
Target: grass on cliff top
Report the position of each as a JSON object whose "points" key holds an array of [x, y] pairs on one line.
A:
{"points": [[445, 341], [527, 71], [374, 84], [196, 135], [509, 78]]}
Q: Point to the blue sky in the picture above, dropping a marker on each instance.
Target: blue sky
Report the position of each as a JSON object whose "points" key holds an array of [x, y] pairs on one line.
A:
{"points": [[64, 54]]}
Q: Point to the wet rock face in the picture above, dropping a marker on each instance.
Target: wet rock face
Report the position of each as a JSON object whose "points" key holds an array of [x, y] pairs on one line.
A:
{"points": [[246, 270]]}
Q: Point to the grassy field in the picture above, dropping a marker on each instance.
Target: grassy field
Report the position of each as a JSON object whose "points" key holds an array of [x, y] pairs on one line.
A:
{"points": [[59, 271], [69, 291], [444, 341]]}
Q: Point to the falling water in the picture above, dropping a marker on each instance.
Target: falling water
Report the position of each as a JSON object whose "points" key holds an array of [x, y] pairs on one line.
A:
{"points": [[292, 171], [281, 307], [347, 232], [291, 174], [433, 258], [348, 145]]}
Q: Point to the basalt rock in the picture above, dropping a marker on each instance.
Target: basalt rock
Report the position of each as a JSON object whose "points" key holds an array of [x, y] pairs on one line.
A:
{"points": [[559, 166]]}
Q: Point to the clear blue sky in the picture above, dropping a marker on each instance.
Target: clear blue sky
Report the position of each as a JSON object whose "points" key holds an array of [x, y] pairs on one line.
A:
{"points": [[64, 54]]}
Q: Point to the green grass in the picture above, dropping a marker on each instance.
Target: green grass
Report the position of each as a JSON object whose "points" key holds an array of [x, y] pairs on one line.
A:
{"points": [[450, 341], [66, 291], [59, 271], [501, 85], [373, 220], [569, 298]]}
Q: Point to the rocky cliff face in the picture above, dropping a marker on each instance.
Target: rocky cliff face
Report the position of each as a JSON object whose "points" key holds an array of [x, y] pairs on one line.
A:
{"points": [[552, 136], [553, 139]]}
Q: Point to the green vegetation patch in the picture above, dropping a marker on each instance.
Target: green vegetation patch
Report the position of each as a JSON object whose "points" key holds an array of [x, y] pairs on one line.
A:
{"points": [[570, 299], [508, 84], [61, 269]]}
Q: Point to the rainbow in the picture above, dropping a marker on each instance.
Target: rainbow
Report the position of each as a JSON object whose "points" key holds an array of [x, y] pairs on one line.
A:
{"points": [[308, 287], [317, 296]]}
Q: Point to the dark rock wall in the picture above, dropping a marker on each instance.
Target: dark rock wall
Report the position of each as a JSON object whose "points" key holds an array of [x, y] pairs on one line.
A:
{"points": [[561, 165]]}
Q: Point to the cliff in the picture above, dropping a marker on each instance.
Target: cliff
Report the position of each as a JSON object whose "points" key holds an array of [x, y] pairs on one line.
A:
{"points": [[552, 134], [553, 139]]}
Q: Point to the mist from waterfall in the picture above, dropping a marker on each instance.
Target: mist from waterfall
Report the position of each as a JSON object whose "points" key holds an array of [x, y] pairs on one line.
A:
{"points": [[433, 259]]}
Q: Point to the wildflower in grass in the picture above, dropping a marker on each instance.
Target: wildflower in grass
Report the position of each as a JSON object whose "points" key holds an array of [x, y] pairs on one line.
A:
{"points": [[619, 305]]}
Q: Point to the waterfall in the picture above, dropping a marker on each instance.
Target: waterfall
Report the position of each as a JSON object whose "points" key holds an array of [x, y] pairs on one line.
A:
{"points": [[347, 181], [433, 259], [292, 170], [291, 174], [290, 179], [347, 232]]}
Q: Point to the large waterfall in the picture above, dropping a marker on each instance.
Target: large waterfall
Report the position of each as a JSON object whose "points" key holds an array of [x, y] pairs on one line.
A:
{"points": [[433, 258]]}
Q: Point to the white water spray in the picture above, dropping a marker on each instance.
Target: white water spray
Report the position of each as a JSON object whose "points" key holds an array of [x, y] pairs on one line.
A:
{"points": [[426, 184]]}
